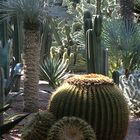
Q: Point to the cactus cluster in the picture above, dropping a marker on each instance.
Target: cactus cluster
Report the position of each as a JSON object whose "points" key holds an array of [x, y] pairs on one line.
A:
{"points": [[95, 99], [38, 126], [131, 90], [71, 128]]}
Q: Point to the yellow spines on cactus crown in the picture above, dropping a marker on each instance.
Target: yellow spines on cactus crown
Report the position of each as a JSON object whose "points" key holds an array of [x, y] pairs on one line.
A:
{"points": [[90, 79]]}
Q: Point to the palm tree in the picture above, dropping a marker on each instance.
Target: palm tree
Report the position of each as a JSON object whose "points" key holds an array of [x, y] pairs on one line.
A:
{"points": [[30, 12]]}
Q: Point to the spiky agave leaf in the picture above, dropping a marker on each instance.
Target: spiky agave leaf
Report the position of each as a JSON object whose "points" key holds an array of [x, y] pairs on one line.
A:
{"points": [[6, 107], [8, 125], [54, 70]]}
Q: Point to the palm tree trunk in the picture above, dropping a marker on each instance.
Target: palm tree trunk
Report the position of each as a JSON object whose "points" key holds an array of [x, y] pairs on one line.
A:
{"points": [[127, 10], [98, 5], [31, 70]]}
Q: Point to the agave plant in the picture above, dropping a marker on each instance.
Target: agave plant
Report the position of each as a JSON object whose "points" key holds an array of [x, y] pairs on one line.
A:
{"points": [[54, 69], [10, 123]]}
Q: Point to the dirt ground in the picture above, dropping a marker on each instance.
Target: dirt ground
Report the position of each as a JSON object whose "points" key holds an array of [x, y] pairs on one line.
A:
{"points": [[133, 132]]}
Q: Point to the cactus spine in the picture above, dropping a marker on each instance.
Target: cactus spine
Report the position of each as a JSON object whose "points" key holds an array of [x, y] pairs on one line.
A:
{"points": [[95, 99], [38, 126], [71, 128]]}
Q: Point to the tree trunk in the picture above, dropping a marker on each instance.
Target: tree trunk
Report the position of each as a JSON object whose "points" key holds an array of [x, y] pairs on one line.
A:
{"points": [[127, 7], [31, 70]]}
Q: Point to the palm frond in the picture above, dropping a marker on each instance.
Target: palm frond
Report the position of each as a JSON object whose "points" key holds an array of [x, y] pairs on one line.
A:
{"points": [[122, 35]]}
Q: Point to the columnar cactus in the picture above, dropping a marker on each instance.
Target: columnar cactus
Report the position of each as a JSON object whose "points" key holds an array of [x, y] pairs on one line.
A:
{"points": [[95, 56], [95, 99], [2, 94], [115, 77], [38, 127], [71, 128], [87, 21]]}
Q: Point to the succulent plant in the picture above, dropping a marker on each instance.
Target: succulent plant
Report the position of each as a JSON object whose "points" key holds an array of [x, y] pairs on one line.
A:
{"points": [[6, 124], [95, 99], [71, 128], [54, 69], [38, 126], [131, 91], [11, 123]]}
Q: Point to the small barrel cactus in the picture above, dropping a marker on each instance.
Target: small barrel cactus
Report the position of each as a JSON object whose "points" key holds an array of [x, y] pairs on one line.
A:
{"points": [[95, 99], [71, 128], [38, 126]]}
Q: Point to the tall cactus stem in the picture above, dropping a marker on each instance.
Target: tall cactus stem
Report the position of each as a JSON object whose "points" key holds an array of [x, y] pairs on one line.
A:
{"points": [[2, 94]]}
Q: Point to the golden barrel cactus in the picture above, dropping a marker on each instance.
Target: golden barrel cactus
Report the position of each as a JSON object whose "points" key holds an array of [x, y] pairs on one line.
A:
{"points": [[38, 126], [95, 99], [71, 128]]}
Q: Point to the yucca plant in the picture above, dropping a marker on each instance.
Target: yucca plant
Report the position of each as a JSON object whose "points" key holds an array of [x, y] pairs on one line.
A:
{"points": [[31, 13], [54, 69]]}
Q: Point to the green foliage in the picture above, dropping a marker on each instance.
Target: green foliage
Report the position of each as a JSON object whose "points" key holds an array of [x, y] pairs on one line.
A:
{"points": [[54, 69], [71, 128], [5, 58], [5, 87], [124, 37], [28, 11], [38, 126], [95, 99], [115, 77]]}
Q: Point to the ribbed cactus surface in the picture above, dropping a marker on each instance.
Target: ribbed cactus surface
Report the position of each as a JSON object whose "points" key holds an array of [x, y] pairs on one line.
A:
{"points": [[38, 126], [71, 128], [2, 94], [95, 99]]}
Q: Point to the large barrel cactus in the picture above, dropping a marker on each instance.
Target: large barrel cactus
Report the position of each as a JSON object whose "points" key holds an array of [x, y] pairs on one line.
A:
{"points": [[71, 128], [38, 126], [95, 99]]}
